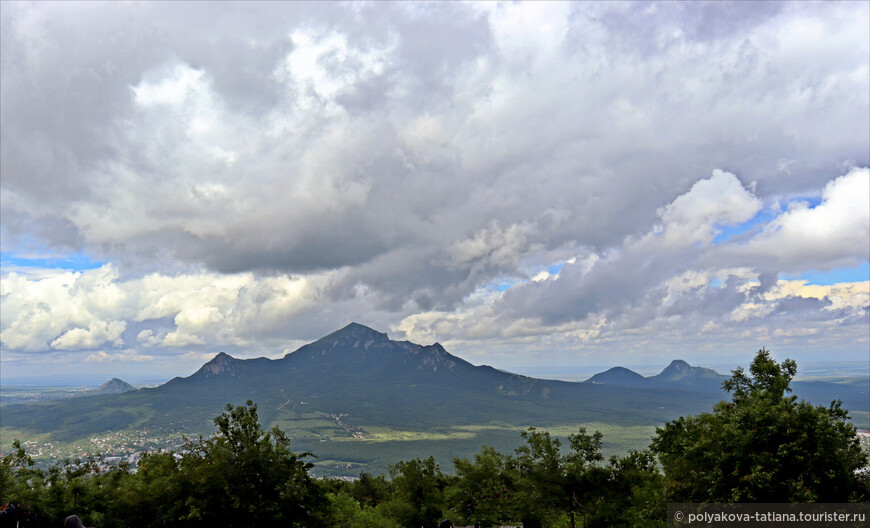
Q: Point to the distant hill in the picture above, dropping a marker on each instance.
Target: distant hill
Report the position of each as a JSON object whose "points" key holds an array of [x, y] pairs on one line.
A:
{"points": [[619, 376], [678, 374], [113, 386], [682, 372]]}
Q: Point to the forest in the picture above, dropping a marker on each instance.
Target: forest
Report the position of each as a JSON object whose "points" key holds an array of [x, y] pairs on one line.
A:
{"points": [[762, 445]]}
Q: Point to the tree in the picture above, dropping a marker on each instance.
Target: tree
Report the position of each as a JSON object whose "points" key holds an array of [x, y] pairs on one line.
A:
{"points": [[154, 496], [418, 492], [369, 490], [247, 477], [762, 446], [20, 481], [348, 513], [632, 496], [241, 477], [541, 473], [555, 484], [483, 492]]}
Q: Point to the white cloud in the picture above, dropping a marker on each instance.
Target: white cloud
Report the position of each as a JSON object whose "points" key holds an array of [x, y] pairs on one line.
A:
{"points": [[836, 233], [97, 335], [322, 66], [719, 200], [90, 309], [64, 311], [852, 297], [172, 90], [526, 31], [147, 338], [120, 356]]}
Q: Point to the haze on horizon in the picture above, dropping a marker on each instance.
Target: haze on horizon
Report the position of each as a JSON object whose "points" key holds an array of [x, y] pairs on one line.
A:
{"points": [[526, 183]]}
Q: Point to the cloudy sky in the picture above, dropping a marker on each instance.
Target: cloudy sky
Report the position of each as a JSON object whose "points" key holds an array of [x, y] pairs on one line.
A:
{"points": [[560, 184]]}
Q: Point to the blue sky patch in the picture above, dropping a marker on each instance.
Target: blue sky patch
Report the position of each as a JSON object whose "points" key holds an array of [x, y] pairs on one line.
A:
{"points": [[826, 278], [500, 285], [732, 233], [555, 268], [72, 261], [506, 284]]}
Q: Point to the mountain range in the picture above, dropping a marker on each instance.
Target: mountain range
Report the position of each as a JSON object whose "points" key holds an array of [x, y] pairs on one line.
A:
{"points": [[678, 374], [355, 392]]}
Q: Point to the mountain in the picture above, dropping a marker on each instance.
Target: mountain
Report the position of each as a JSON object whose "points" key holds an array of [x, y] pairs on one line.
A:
{"points": [[357, 396], [113, 386], [681, 371], [619, 376], [360, 373], [678, 374]]}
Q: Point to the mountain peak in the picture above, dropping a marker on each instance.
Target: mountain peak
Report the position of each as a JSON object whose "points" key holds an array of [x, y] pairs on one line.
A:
{"points": [[357, 328], [114, 386], [680, 370], [618, 376], [356, 332], [222, 362], [115, 382], [347, 346], [678, 366]]}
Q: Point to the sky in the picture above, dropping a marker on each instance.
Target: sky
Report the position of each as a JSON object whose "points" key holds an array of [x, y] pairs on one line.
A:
{"points": [[529, 184]]}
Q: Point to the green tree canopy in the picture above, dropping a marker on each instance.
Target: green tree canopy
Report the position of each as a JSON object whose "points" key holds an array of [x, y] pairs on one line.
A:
{"points": [[247, 477], [763, 445], [556, 483], [484, 491], [418, 492]]}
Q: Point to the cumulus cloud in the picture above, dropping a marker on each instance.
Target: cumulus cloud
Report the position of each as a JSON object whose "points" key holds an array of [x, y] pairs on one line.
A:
{"points": [[92, 309], [835, 233], [720, 200], [392, 163], [64, 311], [670, 282], [79, 338]]}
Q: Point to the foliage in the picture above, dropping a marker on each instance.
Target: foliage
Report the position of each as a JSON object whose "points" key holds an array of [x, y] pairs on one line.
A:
{"points": [[241, 477], [633, 494], [484, 490], [347, 512], [246, 477], [575, 485], [762, 446], [543, 484], [418, 492], [370, 491]]}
